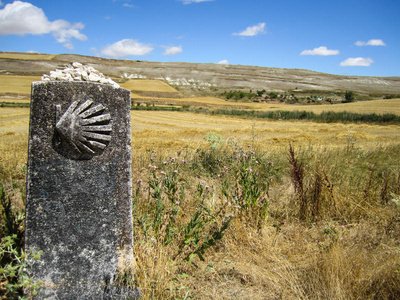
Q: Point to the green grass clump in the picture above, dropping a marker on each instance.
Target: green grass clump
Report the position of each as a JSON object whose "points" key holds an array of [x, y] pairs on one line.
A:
{"points": [[14, 104]]}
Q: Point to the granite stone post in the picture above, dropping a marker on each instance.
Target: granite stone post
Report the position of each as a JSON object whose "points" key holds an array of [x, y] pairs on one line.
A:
{"points": [[78, 206]]}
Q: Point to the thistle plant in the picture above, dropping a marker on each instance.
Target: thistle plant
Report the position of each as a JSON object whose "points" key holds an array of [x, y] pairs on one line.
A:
{"points": [[168, 219], [246, 184], [15, 282]]}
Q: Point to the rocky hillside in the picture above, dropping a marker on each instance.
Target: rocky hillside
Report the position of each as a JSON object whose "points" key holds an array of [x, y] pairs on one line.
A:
{"points": [[204, 76]]}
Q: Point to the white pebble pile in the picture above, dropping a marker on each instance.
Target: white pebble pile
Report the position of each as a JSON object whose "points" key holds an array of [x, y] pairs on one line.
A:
{"points": [[79, 72]]}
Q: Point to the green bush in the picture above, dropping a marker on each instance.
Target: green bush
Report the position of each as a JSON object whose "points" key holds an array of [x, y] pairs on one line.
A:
{"points": [[239, 95]]}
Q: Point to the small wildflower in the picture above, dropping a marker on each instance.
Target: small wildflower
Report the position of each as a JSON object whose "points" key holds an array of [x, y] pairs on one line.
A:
{"points": [[177, 203], [138, 182], [225, 167], [250, 170], [165, 162], [179, 152], [163, 173], [175, 171]]}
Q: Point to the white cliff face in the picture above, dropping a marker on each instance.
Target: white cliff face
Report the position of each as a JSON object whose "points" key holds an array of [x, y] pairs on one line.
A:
{"points": [[79, 72]]}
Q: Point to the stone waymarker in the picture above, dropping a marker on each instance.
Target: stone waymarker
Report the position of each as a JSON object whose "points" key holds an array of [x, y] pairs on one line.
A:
{"points": [[78, 207]]}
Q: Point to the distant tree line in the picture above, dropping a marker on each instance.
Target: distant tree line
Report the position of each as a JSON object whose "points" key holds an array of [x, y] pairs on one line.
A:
{"points": [[239, 95], [292, 97]]}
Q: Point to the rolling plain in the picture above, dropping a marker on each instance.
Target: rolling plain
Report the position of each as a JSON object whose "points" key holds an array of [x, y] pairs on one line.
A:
{"points": [[229, 207]]}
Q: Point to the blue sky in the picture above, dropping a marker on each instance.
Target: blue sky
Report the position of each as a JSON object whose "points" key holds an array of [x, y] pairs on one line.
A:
{"points": [[351, 37]]}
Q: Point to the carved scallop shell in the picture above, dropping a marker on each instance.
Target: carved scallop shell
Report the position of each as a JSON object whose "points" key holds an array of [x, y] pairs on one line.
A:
{"points": [[86, 128]]}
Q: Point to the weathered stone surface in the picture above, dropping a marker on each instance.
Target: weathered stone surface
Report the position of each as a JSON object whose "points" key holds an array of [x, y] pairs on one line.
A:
{"points": [[78, 208]]}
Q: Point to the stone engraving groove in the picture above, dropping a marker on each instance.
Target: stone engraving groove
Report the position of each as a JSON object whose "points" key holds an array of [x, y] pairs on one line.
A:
{"points": [[86, 128]]}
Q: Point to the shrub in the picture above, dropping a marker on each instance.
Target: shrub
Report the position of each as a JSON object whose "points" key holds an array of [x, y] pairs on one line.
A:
{"points": [[239, 95], [348, 97]]}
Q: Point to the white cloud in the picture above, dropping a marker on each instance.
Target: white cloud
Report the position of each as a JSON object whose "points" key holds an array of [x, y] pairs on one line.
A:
{"points": [[320, 51], [24, 18], [126, 47], [1, 3], [63, 31], [194, 1], [252, 30], [173, 50], [223, 62], [373, 42], [128, 5], [357, 62]]}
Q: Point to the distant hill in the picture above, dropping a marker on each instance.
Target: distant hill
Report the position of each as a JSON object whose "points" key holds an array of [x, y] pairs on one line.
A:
{"points": [[196, 77]]}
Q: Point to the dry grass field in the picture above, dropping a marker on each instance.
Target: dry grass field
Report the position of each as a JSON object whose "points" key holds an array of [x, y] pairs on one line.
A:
{"points": [[387, 106], [346, 247], [18, 85], [26, 56], [171, 131], [21, 85], [160, 130], [240, 208]]}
